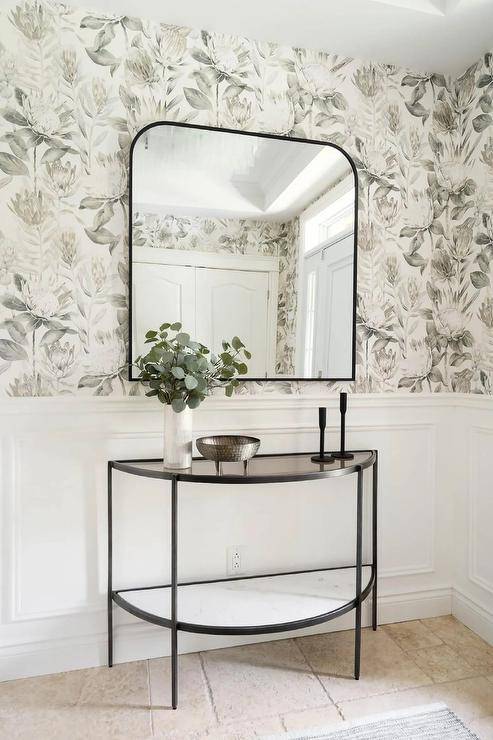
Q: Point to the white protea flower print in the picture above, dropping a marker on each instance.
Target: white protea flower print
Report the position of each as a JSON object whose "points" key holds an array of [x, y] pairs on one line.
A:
{"points": [[420, 210], [99, 93], [369, 80], [144, 109], [108, 354], [34, 19], [317, 79], [388, 208], [375, 313], [170, 44], [223, 54], [143, 68], [108, 176], [33, 207], [62, 178], [385, 362], [44, 114], [452, 175], [43, 298], [451, 321], [69, 66], [67, 245], [240, 110], [410, 294], [60, 359], [419, 360], [277, 114]]}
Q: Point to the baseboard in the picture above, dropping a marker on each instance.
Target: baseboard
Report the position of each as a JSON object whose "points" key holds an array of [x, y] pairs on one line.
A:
{"points": [[473, 615], [138, 640]]}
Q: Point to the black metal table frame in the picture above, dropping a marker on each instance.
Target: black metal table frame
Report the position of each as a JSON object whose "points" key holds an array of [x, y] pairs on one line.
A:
{"points": [[175, 625]]}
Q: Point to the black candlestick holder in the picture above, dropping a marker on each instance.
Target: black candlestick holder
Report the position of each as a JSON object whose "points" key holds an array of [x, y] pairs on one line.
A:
{"points": [[322, 457], [342, 454]]}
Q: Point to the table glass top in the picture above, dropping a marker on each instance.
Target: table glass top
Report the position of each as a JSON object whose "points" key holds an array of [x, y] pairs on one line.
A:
{"points": [[262, 466]]}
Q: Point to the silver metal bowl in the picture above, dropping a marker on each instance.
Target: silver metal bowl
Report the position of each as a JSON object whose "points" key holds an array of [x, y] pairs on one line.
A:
{"points": [[228, 448]]}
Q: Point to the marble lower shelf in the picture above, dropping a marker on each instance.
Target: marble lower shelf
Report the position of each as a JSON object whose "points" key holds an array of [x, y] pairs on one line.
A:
{"points": [[251, 606]]}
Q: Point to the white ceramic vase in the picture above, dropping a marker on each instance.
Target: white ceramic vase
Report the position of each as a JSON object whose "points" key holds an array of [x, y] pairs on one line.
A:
{"points": [[177, 452]]}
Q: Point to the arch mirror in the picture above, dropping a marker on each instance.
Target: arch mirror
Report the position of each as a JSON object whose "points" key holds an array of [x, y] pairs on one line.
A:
{"points": [[235, 233]]}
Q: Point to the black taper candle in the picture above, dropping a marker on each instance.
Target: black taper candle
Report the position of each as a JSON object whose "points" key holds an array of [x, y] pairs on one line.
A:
{"points": [[322, 420], [342, 454]]}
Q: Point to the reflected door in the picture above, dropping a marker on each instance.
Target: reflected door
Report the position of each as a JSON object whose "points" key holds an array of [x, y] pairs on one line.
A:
{"points": [[337, 309], [235, 302], [162, 293], [327, 311]]}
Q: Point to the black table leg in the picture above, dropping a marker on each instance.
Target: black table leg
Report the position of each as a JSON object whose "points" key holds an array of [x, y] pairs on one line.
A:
{"points": [[359, 563], [174, 631], [374, 615], [110, 565]]}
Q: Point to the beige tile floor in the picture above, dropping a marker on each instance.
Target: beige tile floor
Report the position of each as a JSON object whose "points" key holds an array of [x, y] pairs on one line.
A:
{"points": [[263, 689]]}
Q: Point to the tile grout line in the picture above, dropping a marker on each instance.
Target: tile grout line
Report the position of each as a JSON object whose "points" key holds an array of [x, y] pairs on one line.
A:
{"points": [[149, 694], [283, 724], [408, 689], [209, 687], [410, 657], [300, 711], [324, 689], [443, 643]]}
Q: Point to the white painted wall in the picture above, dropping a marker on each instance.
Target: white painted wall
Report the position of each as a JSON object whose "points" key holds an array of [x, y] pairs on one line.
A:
{"points": [[435, 514]]}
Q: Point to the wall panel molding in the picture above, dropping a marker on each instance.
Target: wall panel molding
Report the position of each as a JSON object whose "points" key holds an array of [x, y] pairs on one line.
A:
{"points": [[48, 443], [479, 496]]}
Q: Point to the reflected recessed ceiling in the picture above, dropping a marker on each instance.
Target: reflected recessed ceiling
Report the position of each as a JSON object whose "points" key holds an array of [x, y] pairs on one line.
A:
{"points": [[423, 35], [436, 7]]}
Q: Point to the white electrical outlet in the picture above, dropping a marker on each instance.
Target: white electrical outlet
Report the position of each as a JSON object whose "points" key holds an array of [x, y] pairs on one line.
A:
{"points": [[235, 562]]}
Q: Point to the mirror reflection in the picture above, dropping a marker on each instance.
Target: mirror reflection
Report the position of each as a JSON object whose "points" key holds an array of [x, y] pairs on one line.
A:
{"points": [[247, 235]]}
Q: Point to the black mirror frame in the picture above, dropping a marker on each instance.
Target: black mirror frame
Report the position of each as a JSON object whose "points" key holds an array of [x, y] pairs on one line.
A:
{"points": [[263, 136]]}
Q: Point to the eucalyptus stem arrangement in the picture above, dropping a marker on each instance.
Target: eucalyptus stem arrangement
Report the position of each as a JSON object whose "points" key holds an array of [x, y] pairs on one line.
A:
{"points": [[182, 372]]}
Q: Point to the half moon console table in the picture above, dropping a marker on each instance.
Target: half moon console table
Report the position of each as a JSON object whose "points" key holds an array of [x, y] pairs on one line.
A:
{"points": [[159, 604]]}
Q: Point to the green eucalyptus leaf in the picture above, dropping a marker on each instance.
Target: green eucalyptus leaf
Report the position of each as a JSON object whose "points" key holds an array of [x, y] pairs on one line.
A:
{"points": [[175, 327], [178, 372], [201, 384], [190, 382], [182, 338], [178, 404], [194, 401], [237, 343]]}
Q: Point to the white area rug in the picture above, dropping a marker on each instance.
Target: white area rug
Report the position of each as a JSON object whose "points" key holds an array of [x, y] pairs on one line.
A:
{"points": [[430, 722]]}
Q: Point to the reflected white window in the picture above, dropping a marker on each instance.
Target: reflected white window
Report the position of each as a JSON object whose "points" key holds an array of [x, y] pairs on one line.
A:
{"points": [[335, 220], [311, 294]]}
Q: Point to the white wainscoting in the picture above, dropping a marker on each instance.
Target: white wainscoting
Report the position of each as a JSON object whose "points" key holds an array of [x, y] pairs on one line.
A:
{"points": [[473, 531], [435, 483]]}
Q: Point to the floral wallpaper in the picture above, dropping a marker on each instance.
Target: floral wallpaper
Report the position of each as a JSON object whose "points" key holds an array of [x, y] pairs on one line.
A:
{"points": [[236, 236], [76, 86]]}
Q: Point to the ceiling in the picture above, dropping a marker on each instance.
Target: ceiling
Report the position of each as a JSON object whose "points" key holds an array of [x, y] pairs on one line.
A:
{"points": [[424, 35], [230, 175]]}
